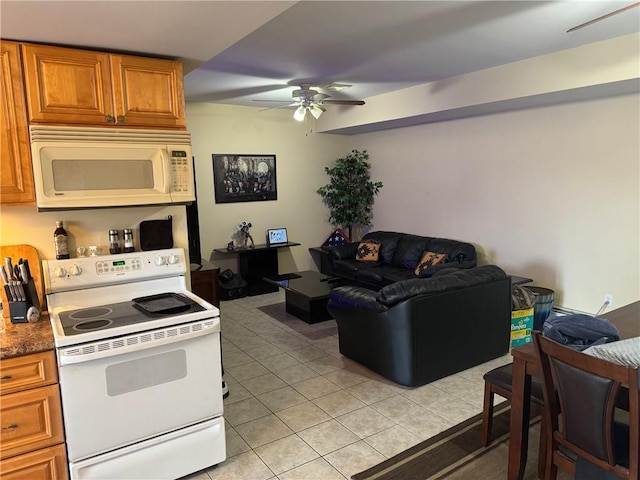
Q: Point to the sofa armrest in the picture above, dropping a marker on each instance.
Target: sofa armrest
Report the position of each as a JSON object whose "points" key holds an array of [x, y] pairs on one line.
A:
{"points": [[343, 252], [355, 298]]}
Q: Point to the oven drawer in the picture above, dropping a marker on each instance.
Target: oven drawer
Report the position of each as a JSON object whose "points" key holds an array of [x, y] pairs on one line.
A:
{"points": [[28, 371], [30, 420]]}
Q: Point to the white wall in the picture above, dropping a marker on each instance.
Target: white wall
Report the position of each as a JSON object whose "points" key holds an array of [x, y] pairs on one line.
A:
{"points": [[300, 162], [550, 193], [25, 225]]}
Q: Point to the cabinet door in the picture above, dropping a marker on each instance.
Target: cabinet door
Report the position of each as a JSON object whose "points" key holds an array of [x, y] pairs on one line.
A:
{"points": [[28, 371], [30, 420], [16, 172], [45, 464], [148, 92], [66, 85]]}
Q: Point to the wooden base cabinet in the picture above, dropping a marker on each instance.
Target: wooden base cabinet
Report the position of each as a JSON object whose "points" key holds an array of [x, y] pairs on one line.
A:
{"points": [[16, 174], [31, 434], [73, 86], [46, 464]]}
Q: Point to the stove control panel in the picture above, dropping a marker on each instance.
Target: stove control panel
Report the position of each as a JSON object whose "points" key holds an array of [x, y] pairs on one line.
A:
{"points": [[84, 272]]}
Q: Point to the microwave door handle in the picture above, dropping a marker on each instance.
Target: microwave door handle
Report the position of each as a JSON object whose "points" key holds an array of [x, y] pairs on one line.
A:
{"points": [[166, 167]]}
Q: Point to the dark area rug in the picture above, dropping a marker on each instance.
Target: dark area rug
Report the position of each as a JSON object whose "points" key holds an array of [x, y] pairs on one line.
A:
{"points": [[457, 454], [316, 331]]}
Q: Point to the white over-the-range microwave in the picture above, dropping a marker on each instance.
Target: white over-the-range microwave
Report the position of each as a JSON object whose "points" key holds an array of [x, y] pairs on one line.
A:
{"points": [[84, 167]]}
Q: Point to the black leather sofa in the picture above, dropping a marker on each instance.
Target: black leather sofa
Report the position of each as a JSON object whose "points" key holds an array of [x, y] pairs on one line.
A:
{"points": [[399, 255], [416, 331]]}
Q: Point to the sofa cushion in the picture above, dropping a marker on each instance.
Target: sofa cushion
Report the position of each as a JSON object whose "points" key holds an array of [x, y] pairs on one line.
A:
{"points": [[429, 259], [409, 251], [368, 251], [460, 252], [388, 243]]}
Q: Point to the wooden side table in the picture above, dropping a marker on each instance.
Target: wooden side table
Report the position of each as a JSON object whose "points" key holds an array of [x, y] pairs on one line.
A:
{"points": [[204, 282]]}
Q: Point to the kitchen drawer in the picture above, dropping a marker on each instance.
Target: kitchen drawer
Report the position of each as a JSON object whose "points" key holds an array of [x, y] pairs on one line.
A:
{"points": [[44, 464], [28, 371], [30, 420]]}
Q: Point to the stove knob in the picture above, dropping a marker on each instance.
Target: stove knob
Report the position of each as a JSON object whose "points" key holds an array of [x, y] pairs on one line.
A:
{"points": [[75, 270], [161, 260], [173, 259], [60, 272]]}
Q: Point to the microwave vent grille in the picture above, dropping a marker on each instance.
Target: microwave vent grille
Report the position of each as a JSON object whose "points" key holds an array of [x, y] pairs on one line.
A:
{"points": [[86, 134]]}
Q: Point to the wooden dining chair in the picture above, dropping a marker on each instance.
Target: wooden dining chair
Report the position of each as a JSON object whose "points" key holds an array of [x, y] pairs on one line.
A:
{"points": [[581, 393], [498, 381]]}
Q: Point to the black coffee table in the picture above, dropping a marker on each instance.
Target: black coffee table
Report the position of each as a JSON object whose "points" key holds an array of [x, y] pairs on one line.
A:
{"points": [[306, 294]]}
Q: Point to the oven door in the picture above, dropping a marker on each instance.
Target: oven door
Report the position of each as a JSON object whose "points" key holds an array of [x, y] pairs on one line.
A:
{"points": [[139, 386]]}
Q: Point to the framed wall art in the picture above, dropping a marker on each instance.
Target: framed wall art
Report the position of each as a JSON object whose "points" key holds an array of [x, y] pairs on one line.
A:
{"points": [[244, 178]]}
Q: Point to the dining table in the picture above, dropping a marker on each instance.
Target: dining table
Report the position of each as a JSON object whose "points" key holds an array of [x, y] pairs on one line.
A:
{"points": [[527, 365]]}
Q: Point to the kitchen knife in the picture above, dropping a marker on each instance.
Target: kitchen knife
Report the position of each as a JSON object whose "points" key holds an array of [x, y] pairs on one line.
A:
{"points": [[3, 274], [7, 263], [12, 292], [16, 273], [20, 291], [24, 274], [26, 265]]}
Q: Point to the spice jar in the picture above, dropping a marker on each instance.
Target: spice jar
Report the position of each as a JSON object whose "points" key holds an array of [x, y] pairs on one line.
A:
{"points": [[114, 246], [128, 240]]}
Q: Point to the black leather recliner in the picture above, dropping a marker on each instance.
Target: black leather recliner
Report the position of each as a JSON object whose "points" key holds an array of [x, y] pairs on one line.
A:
{"points": [[416, 331], [399, 255]]}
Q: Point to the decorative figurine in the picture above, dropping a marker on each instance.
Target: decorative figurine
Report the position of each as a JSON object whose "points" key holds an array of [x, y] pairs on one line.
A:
{"points": [[243, 228]]}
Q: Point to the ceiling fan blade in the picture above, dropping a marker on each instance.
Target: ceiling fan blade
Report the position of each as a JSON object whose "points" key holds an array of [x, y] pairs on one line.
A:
{"points": [[280, 106], [344, 102], [272, 101], [610, 14]]}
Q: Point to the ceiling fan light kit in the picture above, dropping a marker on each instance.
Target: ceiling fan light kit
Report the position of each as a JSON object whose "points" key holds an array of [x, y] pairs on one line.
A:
{"points": [[306, 99]]}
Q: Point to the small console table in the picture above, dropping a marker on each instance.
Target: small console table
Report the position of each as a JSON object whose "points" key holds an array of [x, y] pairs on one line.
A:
{"points": [[256, 263]]}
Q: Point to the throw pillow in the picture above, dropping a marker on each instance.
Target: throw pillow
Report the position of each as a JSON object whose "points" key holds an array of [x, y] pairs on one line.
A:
{"points": [[368, 251], [429, 259]]}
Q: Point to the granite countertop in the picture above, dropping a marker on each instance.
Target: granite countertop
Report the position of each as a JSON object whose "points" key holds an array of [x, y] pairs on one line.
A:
{"points": [[25, 338]]}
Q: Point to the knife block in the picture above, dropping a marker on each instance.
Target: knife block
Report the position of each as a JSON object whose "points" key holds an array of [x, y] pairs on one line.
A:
{"points": [[18, 309]]}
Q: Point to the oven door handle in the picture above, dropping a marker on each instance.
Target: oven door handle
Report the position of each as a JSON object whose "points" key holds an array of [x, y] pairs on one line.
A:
{"points": [[137, 342]]}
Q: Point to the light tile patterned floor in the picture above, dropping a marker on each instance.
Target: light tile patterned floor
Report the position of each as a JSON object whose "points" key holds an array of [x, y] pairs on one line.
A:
{"points": [[300, 410]]}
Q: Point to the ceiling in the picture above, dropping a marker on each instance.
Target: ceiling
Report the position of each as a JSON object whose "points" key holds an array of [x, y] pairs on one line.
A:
{"points": [[246, 52]]}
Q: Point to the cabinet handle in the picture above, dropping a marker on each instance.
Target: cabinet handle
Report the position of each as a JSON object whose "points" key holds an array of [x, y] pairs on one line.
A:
{"points": [[6, 377], [13, 426], [121, 119], [109, 119]]}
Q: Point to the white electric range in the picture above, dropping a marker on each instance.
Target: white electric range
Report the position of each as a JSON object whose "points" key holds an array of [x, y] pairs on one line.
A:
{"points": [[139, 366]]}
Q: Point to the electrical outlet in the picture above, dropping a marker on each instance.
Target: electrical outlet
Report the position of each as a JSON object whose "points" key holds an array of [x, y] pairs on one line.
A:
{"points": [[608, 298]]}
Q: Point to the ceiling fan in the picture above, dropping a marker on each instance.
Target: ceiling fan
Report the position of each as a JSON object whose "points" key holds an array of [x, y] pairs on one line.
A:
{"points": [[311, 101], [602, 17]]}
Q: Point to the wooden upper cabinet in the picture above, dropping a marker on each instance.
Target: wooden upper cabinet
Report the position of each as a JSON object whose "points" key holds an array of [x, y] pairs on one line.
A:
{"points": [[66, 85], [16, 174], [71, 86], [148, 92]]}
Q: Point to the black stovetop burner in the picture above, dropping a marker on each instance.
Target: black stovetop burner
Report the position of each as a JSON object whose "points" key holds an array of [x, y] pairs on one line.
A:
{"points": [[138, 310]]}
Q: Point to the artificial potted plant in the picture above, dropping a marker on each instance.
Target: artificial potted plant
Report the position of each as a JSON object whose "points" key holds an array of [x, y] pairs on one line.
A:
{"points": [[350, 192]]}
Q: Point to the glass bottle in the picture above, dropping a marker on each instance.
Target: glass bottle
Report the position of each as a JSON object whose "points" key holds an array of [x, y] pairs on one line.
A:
{"points": [[61, 241], [114, 246], [128, 240]]}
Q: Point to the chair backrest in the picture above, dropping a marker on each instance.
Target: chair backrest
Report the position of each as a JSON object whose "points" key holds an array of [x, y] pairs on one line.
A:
{"points": [[580, 393]]}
